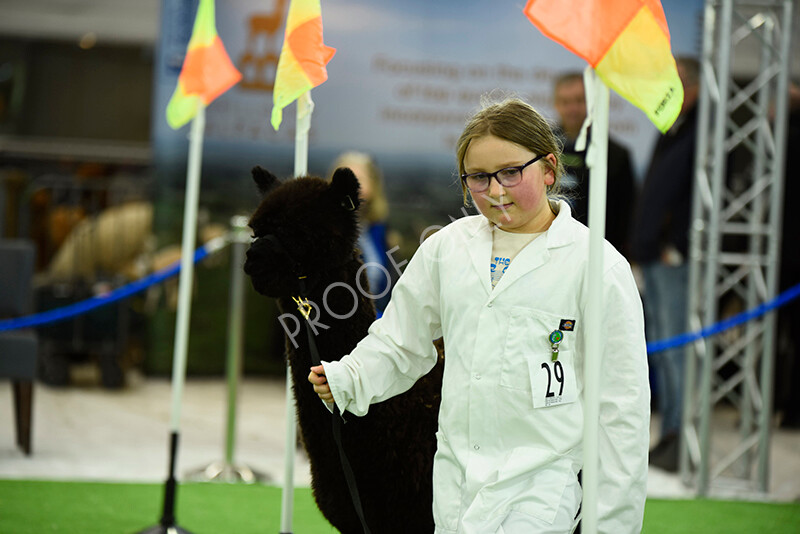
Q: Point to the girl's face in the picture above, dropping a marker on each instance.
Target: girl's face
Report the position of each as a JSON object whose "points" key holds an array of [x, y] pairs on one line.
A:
{"points": [[523, 208]]}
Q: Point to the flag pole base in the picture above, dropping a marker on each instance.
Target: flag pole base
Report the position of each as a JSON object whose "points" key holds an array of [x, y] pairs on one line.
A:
{"points": [[226, 472], [161, 529], [167, 523]]}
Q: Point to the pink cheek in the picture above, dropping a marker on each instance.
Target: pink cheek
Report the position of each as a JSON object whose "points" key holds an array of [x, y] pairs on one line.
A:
{"points": [[526, 199]]}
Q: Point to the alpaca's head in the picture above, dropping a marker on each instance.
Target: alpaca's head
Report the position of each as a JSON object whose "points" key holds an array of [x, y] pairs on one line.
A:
{"points": [[303, 227]]}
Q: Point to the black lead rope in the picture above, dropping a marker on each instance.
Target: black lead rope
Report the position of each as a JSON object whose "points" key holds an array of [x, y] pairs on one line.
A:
{"points": [[305, 309]]}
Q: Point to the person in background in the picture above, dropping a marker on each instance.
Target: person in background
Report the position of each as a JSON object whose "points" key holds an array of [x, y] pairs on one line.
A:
{"points": [[569, 100], [660, 246], [788, 353], [373, 213], [510, 435]]}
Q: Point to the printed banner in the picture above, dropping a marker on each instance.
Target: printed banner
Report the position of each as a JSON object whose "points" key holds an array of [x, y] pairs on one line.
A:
{"points": [[405, 77]]}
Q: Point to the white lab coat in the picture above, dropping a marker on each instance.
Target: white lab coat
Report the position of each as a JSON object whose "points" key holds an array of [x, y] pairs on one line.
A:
{"points": [[497, 454]]}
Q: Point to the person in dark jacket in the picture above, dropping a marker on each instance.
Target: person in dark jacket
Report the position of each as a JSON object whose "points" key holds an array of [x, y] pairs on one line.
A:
{"points": [[569, 100], [660, 246], [788, 350]]}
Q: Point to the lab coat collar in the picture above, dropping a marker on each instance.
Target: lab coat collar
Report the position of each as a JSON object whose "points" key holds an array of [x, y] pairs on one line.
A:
{"points": [[479, 246], [562, 231]]}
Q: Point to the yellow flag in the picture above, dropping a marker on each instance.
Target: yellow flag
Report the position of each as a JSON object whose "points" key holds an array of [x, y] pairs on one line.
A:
{"points": [[304, 56], [207, 70], [626, 42]]}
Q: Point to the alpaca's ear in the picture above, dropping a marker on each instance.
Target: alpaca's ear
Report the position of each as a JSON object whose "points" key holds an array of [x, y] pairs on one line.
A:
{"points": [[264, 179], [344, 184]]}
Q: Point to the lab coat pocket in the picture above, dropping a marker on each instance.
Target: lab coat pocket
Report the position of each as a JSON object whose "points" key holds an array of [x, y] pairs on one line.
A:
{"points": [[536, 491], [448, 480], [528, 343]]}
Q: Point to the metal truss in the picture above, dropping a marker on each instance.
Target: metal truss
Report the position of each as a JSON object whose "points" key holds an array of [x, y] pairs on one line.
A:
{"points": [[735, 244]]}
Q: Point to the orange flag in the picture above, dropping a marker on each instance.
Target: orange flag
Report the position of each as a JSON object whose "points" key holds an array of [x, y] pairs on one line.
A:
{"points": [[301, 65], [207, 70], [626, 42]]}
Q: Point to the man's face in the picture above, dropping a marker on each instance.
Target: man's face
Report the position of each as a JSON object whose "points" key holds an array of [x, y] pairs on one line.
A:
{"points": [[570, 104], [690, 91]]}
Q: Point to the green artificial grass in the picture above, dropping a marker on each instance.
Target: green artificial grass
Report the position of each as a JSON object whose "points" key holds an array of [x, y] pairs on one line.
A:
{"points": [[39, 507], [702, 516]]}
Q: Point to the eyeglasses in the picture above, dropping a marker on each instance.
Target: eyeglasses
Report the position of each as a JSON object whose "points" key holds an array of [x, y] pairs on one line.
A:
{"points": [[478, 182]]}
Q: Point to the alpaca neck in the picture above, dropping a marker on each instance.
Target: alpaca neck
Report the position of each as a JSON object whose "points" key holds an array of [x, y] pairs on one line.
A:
{"points": [[339, 320], [340, 317]]}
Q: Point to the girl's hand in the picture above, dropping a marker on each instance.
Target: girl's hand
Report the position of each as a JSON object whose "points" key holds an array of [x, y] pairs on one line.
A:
{"points": [[321, 387]]}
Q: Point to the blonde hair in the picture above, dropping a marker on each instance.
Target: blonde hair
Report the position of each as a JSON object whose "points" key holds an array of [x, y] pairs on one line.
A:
{"points": [[376, 208], [518, 122]]}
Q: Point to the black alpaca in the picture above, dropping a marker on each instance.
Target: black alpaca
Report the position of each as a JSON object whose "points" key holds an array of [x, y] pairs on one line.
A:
{"points": [[308, 227]]}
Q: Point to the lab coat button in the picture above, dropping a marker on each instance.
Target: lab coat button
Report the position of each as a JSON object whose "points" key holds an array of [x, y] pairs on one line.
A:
{"points": [[476, 447], [477, 376], [489, 305]]}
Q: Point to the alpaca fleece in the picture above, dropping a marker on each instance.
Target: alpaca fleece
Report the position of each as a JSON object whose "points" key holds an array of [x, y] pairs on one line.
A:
{"points": [[390, 449]]}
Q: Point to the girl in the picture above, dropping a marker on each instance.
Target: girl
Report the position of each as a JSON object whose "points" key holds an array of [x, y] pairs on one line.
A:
{"points": [[507, 290]]}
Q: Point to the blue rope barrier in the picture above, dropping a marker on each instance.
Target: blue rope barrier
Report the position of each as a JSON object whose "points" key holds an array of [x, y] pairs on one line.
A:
{"points": [[65, 312], [730, 322]]}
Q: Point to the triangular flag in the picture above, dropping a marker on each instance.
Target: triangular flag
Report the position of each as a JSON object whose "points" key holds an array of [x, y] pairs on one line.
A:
{"points": [[207, 70], [626, 42], [301, 65]]}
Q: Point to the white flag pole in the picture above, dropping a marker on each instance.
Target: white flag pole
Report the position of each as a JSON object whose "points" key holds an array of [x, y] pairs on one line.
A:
{"points": [[305, 107], [167, 524], [597, 161], [187, 263]]}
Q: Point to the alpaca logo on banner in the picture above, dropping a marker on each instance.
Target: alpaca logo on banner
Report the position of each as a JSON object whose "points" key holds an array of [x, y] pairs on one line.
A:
{"points": [[259, 61]]}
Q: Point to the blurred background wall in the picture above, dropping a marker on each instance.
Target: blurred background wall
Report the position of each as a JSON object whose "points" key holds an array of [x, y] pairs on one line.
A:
{"points": [[85, 150]]}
